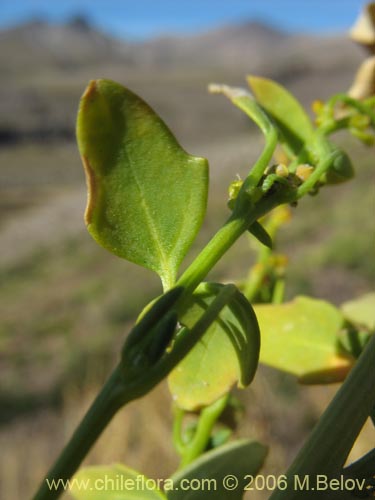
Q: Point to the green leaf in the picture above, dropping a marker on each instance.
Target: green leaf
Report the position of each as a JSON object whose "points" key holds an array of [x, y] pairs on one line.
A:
{"points": [[286, 111], [115, 482], [152, 334], [361, 310], [146, 195], [239, 460], [257, 230], [228, 352], [302, 337]]}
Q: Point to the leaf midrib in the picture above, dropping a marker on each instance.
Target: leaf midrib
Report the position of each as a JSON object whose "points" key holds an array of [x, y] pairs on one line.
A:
{"points": [[153, 230]]}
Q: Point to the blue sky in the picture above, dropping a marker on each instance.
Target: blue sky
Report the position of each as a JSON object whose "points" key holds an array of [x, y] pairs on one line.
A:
{"points": [[146, 18]]}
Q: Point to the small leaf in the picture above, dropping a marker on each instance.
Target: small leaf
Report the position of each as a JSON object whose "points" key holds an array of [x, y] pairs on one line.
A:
{"points": [[152, 334], [115, 482], [302, 337], [361, 310], [258, 231], [228, 352], [285, 110], [238, 460], [146, 195]]}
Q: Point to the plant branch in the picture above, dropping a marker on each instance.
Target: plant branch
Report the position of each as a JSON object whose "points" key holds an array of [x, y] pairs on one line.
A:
{"points": [[105, 406], [206, 422], [239, 222], [118, 391]]}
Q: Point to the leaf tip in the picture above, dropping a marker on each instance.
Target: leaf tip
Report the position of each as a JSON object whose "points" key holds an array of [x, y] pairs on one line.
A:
{"points": [[90, 89], [253, 80], [230, 92]]}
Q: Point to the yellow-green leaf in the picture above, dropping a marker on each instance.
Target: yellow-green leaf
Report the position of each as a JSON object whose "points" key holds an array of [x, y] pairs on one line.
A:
{"points": [[285, 110], [227, 353], [361, 310], [146, 195], [302, 337], [113, 482]]}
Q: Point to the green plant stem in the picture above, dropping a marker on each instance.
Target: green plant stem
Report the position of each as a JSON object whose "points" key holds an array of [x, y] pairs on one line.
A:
{"points": [[254, 281], [106, 404], [329, 444], [303, 157], [322, 167], [236, 225], [263, 266], [207, 420], [178, 419], [279, 291], [257, 274], [118, 391], [213, 251], [252, 109]]}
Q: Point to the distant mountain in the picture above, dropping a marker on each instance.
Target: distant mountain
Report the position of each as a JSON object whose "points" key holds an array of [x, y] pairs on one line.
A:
{"points": [[66, 46], [76, 44], [45, 67], [38, 44], [226, 46]]}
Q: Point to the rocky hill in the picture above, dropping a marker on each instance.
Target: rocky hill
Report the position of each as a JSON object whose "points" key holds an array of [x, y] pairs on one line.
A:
{"points": [[76, 44], [38, 45], [45, 67]]}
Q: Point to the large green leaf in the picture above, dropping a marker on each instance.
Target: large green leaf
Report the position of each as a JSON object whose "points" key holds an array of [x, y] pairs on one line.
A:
{"points": [[113, 482], [146, 195], [302, 337], [228, 352], [361, 310], [286, 111], [217, 471]]}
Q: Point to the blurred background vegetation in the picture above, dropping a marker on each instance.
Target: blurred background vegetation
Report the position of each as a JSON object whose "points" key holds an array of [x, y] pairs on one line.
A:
{"points": [[66, 304]]}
